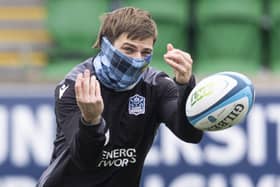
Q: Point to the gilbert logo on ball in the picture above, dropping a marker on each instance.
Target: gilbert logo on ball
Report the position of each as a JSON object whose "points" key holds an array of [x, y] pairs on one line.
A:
{"points": [[220, 101]]}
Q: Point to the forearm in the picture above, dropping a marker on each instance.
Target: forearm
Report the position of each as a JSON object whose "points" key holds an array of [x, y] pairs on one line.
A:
{"points": [[87, 145], [173, 115]]}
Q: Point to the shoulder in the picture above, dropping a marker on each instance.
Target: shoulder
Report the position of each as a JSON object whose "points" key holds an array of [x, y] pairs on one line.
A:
{"points": [[161, 83], [80, 68], [157, 78], [66, 86]]}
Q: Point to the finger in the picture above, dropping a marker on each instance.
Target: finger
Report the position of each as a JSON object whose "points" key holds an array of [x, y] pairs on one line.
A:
{"points": [[180, 57], [176, 52], [169, 47], [187, 56], [175, 57], [92, 87], [86, 82], [176, 66], [97, 89], [179, 51], [78, 87]]}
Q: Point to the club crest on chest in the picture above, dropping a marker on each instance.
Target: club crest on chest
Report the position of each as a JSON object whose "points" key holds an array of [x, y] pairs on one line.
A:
{"points": [[136, 105]]}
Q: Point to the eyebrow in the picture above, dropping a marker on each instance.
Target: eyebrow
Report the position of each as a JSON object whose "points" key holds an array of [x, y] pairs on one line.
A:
{"points": [[134, 46]]}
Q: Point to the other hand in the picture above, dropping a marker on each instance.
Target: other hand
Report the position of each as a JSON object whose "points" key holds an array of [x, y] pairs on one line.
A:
{"points": [[181, 62], [88, 97]]}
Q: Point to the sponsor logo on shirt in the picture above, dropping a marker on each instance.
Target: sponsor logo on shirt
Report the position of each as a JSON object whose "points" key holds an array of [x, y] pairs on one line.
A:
{"points": [[136, 105], [117, 157]]}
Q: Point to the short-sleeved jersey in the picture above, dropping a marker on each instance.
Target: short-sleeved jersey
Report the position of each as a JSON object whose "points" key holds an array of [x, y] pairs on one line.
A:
{"points": [[113, 152]]}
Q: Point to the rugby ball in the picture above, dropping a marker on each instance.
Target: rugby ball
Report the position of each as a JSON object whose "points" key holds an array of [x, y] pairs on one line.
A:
{"points": [[220, 101]]}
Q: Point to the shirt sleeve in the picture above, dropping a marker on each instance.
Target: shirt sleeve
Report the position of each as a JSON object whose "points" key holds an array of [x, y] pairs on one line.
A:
{"points": [[84, 141], [173, 97]]}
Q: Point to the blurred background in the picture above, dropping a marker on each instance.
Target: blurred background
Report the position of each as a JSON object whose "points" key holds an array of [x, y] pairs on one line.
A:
{"points": [[41, 40]]}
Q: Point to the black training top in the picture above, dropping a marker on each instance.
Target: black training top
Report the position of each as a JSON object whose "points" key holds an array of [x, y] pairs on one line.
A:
{"points": [[113, 152]]}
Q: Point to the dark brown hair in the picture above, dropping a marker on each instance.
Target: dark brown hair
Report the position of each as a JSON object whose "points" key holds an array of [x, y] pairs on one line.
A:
{"points": [[137, 23]]}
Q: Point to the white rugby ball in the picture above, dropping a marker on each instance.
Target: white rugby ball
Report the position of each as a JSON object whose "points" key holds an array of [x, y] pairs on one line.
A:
{"points": [[220, 101]]}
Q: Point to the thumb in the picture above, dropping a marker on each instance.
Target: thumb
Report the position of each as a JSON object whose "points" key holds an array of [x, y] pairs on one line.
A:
{"points": [[169, 47]]}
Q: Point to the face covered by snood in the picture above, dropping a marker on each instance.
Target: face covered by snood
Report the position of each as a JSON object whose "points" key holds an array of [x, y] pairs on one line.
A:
{"points": [[117, 71]]}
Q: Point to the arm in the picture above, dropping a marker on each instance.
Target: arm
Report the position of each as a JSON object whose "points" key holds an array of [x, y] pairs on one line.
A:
{"points": [[175, 95], [84, 138], [91, 137], [172, 109]]}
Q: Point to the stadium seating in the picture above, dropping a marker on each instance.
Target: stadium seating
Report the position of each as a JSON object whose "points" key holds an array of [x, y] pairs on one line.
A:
{"points": [[228, 36], [73, 27], [22, 35], [275, 36], [171, 17]]}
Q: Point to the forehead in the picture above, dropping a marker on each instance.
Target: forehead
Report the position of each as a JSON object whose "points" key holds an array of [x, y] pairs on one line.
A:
{"points": [[123, 40]]}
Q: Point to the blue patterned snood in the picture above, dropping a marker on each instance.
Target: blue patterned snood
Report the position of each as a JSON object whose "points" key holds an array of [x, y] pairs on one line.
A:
{"points": [[116, 70]]}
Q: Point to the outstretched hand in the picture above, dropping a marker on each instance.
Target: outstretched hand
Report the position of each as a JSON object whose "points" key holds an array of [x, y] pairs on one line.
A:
{"points": [[88, 97], [181, 62]]}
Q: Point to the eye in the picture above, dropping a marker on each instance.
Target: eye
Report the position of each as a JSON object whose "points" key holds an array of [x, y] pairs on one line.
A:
{"points": [[128, 50], [146, 53]]}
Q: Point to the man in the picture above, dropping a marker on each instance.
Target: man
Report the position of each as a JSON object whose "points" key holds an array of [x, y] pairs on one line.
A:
{"points": [[109, 107]]}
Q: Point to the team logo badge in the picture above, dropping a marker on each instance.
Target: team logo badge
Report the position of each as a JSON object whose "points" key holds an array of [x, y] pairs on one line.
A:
{"points": [[62, 89], [136, 105]]}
